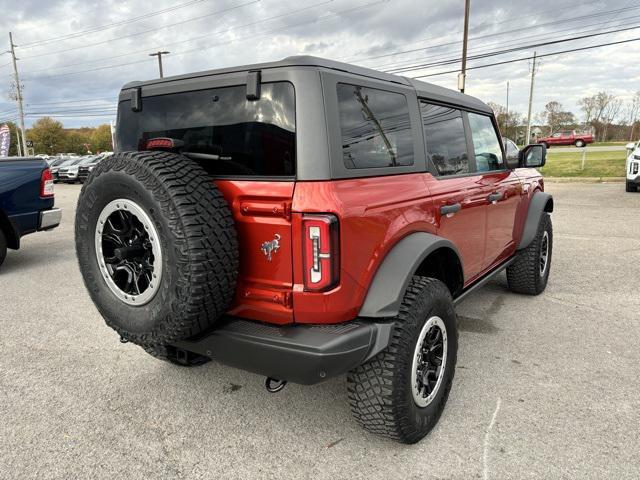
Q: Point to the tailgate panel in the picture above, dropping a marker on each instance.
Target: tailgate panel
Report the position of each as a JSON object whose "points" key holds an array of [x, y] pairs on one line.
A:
{"points": [[262, 213]]}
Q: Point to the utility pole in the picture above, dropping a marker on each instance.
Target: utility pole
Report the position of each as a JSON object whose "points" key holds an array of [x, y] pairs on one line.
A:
{"points": [[18, 141], [463, 73], [159, 55], [506, 118], [533, 77], [18, 92]]}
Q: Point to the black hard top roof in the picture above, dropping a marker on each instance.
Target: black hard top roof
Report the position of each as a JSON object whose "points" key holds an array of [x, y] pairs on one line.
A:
{"points": [[424, 89]]}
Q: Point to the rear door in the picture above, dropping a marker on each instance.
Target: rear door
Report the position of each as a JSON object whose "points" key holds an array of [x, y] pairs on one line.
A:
{"points": [[457, 190], [501, 187]]}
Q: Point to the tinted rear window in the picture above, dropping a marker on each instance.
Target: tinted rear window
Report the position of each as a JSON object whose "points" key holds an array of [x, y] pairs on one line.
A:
{"points": [[244, 137], [376, 127]]}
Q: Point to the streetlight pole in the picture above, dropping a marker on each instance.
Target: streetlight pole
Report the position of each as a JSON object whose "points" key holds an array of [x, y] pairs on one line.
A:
{"points": [[18, 93], [463, 73], [159, 55]]}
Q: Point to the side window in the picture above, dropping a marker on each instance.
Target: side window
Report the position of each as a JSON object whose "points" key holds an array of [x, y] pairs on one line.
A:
{"points": [[446, 141], [375, 126], [486, 144]]}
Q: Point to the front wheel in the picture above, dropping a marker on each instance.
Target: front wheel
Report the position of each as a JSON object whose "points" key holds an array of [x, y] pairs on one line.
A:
{"points": [[631, 187], [579, 143], [402, 391], [529, 273]]}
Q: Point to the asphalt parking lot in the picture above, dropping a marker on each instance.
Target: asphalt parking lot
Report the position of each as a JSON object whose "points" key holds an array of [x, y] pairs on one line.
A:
{"points": [[546, 387]]}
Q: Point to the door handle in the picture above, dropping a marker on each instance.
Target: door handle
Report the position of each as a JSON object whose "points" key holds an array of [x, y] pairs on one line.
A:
{"points": [[450, 209], [495, 197]]}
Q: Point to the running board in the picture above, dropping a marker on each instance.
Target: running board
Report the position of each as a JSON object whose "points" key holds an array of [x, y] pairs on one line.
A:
{"points": [[480, 283]]}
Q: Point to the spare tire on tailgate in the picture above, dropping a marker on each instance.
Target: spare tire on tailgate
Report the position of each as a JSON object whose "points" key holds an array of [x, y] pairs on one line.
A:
{"points": [[157, 246]]}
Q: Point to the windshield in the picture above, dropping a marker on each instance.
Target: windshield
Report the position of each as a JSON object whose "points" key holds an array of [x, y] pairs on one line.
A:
{"points": [[237, 136]]}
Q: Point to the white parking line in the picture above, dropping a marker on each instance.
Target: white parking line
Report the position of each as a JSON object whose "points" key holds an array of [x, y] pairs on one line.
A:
{"points": [[487, 440]]}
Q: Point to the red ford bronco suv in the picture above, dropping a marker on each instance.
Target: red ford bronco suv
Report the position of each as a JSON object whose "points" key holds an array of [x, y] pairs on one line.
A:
{"points": [[305, 218]]}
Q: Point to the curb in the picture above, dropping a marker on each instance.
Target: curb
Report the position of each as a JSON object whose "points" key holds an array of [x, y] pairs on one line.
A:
{"points": [[584, 179]]}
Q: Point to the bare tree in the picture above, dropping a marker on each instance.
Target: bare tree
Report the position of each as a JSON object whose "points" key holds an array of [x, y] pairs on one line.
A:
{"points": [[609, 114], [600, 111], [555, 117], [632, 113], [506, 120], [587, 105]]}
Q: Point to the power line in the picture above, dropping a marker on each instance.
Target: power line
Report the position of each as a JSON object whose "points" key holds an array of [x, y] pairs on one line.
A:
{"points": [[505, 62], [509, 50], [83, 101], [155, 29], [478, 27], [244, 38], [108, 26], [517, 30], [191, 39], [487, 47]]}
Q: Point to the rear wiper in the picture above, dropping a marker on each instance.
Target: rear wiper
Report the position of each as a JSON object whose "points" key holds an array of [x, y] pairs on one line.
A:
{"points": [[201, 156]]}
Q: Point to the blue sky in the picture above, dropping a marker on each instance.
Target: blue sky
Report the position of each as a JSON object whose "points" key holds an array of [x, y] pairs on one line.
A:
{"points": [[75, 55]]}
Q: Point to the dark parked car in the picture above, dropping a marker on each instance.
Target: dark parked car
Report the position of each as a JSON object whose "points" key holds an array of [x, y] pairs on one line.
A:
{"points": [[26, 201], [86, 168]]}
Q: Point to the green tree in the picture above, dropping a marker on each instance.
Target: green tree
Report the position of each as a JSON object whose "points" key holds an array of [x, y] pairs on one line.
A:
{"points": [[101, 139], [556, 118], [47, 135], [75, 142]]}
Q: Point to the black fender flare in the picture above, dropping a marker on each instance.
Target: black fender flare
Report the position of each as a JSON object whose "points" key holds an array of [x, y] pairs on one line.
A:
{"points": [[390, 282], [10, 232], [540, 203]]}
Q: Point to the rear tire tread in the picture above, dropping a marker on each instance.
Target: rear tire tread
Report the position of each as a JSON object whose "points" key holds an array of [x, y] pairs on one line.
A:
{"points": [[204, 240], [378, 401]]}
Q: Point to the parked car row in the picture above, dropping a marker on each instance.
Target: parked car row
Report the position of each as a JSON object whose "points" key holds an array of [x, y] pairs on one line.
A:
{"points": [[72, 169]]}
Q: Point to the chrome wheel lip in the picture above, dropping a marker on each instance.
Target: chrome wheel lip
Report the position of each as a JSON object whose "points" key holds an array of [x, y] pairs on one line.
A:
{"points": [[420, 400], [136, 210], [544, 253]]}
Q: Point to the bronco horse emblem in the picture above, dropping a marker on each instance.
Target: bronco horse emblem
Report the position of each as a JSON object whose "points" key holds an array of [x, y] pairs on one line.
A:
{"points": [[271, 247]]}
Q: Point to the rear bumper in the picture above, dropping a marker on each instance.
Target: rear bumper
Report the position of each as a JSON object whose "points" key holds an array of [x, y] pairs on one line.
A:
{"points": [[50, 219], [304, 354]]}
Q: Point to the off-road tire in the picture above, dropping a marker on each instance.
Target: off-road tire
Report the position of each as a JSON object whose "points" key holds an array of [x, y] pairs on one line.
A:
{"points": [[631, 187], [380, 391], [197, 240], [3, 247], [523, 275]]}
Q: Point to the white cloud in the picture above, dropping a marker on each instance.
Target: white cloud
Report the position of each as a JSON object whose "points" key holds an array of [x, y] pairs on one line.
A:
{"points": [[241, 33]]}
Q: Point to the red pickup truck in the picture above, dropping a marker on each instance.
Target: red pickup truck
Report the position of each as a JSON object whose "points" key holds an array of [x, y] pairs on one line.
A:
{"points": [[566, 138]]}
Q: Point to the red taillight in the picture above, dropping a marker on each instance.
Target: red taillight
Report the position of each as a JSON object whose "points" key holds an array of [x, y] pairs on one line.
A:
{"points": [[163, 143], [46, 184], [321, 252]]}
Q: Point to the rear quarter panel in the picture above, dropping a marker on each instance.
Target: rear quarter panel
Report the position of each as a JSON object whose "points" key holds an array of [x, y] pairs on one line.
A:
{"points": [[20, 193], [374, 213]]}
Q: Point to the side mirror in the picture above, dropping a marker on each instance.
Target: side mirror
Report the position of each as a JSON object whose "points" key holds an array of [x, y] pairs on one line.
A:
{"points": [[631, 146], [533, 156], [513, 161]]}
